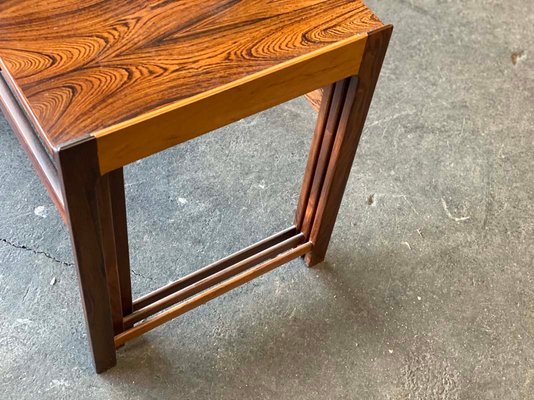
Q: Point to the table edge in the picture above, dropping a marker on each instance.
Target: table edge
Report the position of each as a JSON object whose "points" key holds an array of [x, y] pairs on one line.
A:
{"points": [[146, 134]]}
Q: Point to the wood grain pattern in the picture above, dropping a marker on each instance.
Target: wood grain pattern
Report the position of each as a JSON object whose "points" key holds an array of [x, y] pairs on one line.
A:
{"points": [[186, 119], [104, 83], [314, 98], [83, 191], [82, 67]]}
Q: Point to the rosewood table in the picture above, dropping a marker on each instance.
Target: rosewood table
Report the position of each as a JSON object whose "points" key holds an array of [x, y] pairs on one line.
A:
{"points": [[91, 86]]}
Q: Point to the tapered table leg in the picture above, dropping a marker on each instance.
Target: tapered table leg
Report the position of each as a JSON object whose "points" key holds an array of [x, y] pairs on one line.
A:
{"points": [[84, 190], [341, 120]]}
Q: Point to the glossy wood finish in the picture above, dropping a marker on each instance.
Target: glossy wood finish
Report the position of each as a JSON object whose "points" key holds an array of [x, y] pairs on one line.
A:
{"points": [[114, 235], [322, 150], [80, 70], [213, 268], [198, 286], [30, 143], [186, 119], [212, 293], [89, 87], [120, 239], [85, 191], [334, 147]]}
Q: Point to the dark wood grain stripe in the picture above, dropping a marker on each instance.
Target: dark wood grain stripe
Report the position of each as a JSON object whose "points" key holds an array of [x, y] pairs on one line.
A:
{"points": [[83, 67]]}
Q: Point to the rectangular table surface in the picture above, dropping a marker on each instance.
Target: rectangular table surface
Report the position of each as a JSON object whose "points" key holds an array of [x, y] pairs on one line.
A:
{"points": [[80, 67]]}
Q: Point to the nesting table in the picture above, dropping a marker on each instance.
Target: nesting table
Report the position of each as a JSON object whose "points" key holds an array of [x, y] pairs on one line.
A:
{"points": [[91, 86]]}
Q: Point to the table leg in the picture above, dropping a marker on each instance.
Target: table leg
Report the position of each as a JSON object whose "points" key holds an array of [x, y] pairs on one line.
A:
{"points": [[84, 190], [112, 209], [118, 204], [340, 123]]}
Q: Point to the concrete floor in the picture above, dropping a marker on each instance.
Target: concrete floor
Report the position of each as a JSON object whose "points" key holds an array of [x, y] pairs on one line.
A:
{"points": [[427, 293]]}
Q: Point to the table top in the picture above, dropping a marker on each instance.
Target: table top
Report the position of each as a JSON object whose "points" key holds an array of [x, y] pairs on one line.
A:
{"points": [[80, 67]]}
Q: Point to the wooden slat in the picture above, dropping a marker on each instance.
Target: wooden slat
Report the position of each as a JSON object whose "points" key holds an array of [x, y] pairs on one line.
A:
{"points": [[348, 131], [330, 129], [105, 213], [112, 213], [213, 279], [37, 154], [120, 236], [211, 293], [213, 268], [313, 155]]}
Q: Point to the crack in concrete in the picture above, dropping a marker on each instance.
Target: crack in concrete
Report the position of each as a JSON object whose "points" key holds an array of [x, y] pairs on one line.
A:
{"points": [[141, 275], [39, 252], [57, 260], [418, 9]]}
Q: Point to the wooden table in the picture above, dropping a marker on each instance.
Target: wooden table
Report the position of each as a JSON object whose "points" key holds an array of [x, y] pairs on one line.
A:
{"points": [[91, 86]]}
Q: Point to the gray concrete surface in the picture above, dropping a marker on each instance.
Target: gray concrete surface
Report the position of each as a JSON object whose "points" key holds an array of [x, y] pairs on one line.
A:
{"points": [[427, 291]]}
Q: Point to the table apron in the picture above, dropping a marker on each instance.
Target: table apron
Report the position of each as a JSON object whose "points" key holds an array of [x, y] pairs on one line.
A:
{"points": [[33, 147]]}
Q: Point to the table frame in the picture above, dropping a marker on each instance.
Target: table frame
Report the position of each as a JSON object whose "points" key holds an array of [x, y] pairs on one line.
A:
{"points": [[87, 186]]}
